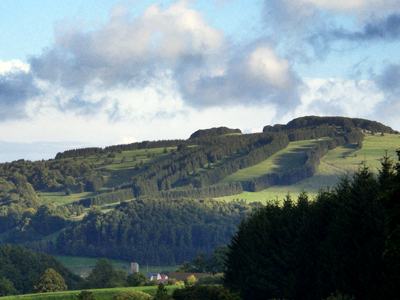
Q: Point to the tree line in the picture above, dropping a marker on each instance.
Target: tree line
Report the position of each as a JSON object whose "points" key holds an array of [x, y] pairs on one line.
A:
{"points": [[340, 122]]}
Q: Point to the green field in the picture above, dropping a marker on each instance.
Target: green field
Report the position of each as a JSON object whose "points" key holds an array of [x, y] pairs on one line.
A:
{"points": [[100, 294], [130, 159], [59, 198], [83, 265], [117, 168], [289, 157], [125, 159], [336, 163]]}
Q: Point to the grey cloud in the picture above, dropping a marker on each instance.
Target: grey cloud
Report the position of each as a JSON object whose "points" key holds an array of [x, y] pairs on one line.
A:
{"points": [[389, 83], [389, 80], [310, 25], [384, 29], [239, 84], [81, 106], [16, 88]]}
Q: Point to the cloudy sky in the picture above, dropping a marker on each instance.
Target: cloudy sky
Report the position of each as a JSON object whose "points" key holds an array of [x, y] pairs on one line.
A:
{"points": [[98, 72]]}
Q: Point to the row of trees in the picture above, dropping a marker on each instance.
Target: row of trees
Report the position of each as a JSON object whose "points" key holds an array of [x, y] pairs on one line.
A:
{"points": [[307, 167], [95, 151], [216, 157], [211, 191], [180, 169], [107, 198]]}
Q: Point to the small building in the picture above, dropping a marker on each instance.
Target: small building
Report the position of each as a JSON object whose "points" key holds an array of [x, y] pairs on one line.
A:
{"points": [[160, 278], [134, 268]]}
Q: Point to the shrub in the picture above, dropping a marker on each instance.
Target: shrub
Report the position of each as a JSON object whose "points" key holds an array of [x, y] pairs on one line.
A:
{"points": [[51, 281], [86, 295], [190, 280], [132, 295]]}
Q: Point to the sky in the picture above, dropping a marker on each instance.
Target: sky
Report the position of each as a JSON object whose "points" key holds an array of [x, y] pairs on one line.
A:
{"points": [[79, 73]]}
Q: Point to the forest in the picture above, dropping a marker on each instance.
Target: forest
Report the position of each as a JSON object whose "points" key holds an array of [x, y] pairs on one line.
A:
{"points": [[154, 232]]}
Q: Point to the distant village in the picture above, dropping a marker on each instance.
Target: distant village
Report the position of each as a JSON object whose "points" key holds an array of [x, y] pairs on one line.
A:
{"points": [[160, 277]]}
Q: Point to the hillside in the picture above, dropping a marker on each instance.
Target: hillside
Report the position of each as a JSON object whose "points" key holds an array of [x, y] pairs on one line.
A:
{"points": [[153, 200], [336, 163]]}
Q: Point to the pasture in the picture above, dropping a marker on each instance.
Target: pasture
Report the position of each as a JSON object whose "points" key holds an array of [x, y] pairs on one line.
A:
{"points": [[100, 294], [289, 157], [337, 162]]}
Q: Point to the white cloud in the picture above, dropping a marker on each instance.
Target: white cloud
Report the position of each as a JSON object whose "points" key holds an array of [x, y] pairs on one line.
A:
{"points": [[130, 51], [255, 75], [342, 97], [13, 66], [265, 64]]}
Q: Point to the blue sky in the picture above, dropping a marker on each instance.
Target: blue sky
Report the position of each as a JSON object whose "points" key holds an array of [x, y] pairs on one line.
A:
{"points": [[34, 29], [83, 73]]}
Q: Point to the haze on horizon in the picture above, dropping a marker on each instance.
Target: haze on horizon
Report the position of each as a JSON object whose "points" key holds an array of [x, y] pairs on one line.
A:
{"points": [[88, 72]]}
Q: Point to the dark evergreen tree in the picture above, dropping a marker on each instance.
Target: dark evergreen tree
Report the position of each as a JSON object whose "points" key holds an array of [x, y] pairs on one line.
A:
{"points": [[345, 241]]}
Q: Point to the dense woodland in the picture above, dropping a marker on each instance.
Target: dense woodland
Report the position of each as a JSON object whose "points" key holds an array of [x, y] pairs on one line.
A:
{"points": [[346, 242], [154, 231], [20, 270]]}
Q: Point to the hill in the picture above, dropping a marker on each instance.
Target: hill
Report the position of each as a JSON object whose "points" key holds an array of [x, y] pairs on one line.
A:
{"points": [[216, 131], [152, 200], [338, 162]]}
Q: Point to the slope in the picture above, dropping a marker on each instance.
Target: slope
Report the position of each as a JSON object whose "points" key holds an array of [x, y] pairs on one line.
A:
{"points": [[289, 157], [336, 163]]}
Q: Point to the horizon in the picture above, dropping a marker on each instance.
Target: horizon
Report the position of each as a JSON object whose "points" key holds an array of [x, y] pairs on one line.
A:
{"points": [[97, 73], [39, 147]]}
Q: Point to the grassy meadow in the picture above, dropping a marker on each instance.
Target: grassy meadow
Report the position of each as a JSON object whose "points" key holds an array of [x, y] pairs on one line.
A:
{"points": [[336, 163], [60, 198], [289, 157], [100, 294], [130, 159]]}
